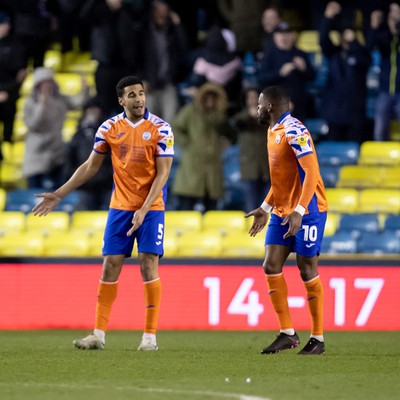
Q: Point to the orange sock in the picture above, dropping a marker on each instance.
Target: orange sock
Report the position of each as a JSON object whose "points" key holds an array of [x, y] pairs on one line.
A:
{"points": [[105, 298], [152, 299], [315, 298], [277, 291]]}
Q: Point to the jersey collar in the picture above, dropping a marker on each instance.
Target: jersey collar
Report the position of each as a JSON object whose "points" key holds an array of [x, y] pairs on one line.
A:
{"points": [[280, 120], [146, 116]]}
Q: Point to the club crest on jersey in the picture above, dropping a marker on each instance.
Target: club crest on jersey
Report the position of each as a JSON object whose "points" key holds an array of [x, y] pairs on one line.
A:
{"points": [[302, 140], [169, 142], [277, 139], [146, 135]]}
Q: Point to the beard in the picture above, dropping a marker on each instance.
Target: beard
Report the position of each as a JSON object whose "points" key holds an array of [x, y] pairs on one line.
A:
{"points": [[264, 119]]}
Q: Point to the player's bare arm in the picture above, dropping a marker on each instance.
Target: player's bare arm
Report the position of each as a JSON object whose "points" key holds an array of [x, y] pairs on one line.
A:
{"points": [[83, 173], [163, 165]]}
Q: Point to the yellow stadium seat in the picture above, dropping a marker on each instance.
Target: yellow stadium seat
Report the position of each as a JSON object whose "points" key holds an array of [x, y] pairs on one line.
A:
{"points": [[332, 223], [20, 129], [95, 243], [342, 200], [182, 221], [225, 221], [199, 244], [53, 60], [380, 201], [3, 199], [358, 176], [67, 244], [11, 221], [69, 129], [25, 244], [391, 178], [11, 175], [308, 40], [170, 245], [242, 245], [57, 221], [379, 153], [89, 221]]}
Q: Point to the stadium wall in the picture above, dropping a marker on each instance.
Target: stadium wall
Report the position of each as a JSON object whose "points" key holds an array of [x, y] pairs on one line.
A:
{"points": [[197, 295]]}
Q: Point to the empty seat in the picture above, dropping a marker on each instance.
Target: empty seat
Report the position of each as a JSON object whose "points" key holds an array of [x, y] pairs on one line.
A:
{"points": [[182, 221], [199, 244], [339, 243], [11, 175], [3, 199], [89, 221], [225, 221], [343, 200], [380, 153], [358, 224], [22, 244], [337, 153], [67, 244], [11, 221], [330, 175], [391, 178], [383, 243], [57, 221], [242, 245], [379, 201], [361, 177], [69, 203], [308, 41], [332, 223], [22, 199], [392, 223], [95, 243], [170, 246]]}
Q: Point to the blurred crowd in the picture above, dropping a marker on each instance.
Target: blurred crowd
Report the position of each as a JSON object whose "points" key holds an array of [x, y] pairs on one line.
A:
{"points": [[203, 67]]}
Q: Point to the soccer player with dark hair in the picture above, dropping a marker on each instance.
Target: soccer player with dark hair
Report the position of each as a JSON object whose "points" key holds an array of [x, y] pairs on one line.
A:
{"points": [[141, 146], [299, 209]]}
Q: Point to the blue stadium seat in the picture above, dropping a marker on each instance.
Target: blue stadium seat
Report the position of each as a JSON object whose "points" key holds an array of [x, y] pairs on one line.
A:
{"points": [[384, 243], [22, 199], [339, 243], [392, 224], [337, 153], [357, 224], [317, 127], [69, 203], [330, 175]]}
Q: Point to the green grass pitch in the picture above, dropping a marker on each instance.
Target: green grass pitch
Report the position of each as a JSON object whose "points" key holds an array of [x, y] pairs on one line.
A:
{"points": [[197, 365]]}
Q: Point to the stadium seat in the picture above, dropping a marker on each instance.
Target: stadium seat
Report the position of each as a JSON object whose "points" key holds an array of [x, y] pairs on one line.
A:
{"points": [[22, 199], [318, 127], [3, 198], [343, 200], [392, 224], [57, 221], [358, 224], [308, 41], [224, 221], [69, 203], [170, 245], [379, 201], [391, 178], [383, 243], [95, 243], [67, 244], [182, 221], [89, 221], [332, 223], [339, 243], [19, 130], [199, 244], [337, 153], [380, 153], [24, 244], [330, 175], [69, 129], [242, 245], [53, 60], [12, 221], [11, 175], [359, 177]]}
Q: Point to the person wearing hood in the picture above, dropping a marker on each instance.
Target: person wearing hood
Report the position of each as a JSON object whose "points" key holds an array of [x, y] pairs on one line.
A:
{"points": [[201, 130], [44, 115]]}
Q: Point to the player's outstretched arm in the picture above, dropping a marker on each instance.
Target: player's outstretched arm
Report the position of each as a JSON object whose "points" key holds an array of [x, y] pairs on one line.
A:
{"points": [[259, 222], [83, 173]]}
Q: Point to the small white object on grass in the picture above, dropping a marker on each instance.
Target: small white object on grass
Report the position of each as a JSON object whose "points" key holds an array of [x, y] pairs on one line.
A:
{"points": [[248, 380], [227, 379]]}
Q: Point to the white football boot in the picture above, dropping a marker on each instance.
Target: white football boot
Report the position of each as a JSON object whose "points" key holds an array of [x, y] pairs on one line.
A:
{"points": [[90, 342]]}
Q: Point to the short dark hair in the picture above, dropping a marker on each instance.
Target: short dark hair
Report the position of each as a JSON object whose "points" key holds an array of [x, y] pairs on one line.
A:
{"points": [[276, 93], [127, 81]]}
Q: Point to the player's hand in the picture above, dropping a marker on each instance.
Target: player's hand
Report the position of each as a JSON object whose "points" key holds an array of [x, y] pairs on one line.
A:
{"points": [[50, 200], [294, 219], [259, 222], [137, 220]]}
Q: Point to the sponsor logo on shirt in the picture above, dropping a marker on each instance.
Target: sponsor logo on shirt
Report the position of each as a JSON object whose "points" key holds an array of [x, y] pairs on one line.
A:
{"points": [[302, 140], [146, 135], [169, 142]]}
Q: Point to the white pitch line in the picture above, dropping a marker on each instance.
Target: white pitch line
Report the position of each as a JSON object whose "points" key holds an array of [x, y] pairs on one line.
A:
{"points": [[235, 396]]}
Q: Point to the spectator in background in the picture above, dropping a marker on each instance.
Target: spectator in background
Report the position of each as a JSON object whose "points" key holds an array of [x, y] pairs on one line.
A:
{"points": [[12, 73], [35, 23], [164, 59], [201, 130], [286, 65], [344, 98], [116, 35], [253, 158], [44, 114], [384, 36], [219, 64], [96, 193], [270, 20]]}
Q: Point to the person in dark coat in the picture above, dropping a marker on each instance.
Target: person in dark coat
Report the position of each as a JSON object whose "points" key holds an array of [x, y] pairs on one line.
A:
{"points": [[286, 65], [344, 99]]}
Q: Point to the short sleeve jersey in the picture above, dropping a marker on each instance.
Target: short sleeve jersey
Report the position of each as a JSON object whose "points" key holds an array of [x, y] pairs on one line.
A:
{"points": [[292, 155], [134, 148]]}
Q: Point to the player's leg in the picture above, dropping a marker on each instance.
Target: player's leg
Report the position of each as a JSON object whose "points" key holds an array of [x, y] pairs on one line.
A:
{"points": [[150, 239], [307, 246]]}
